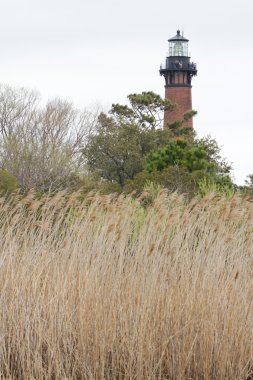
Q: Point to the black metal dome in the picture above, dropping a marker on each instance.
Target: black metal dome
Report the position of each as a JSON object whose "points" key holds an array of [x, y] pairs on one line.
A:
{"points": [[178, 37]]}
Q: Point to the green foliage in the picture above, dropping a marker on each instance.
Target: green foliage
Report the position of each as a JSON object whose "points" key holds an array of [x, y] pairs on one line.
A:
{"points": [[180, 153], [197, 158], [189, 115], [146, 110], [223, 187], [116, 152], [58, 147], [178, 128], [198, 166], [138, 183], [150, 193], [172, 154], [247, 189], [8, 182], [249, 182], [174, 178], [130, 149], [213, 150], [177, 131]]}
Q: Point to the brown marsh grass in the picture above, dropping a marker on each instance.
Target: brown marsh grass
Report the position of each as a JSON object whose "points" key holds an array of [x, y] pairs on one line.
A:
{"points": [[108, 289]]}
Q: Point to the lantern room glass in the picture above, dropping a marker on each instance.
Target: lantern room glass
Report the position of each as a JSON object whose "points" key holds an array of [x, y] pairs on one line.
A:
{"points": [[178, 49]]}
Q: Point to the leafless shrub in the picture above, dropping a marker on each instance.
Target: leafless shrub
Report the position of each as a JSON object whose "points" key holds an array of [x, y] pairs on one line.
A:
{"points": [[41, 146]]}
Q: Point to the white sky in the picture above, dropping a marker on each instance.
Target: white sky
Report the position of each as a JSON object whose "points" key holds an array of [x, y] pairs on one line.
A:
{"points": [[103, 50]]}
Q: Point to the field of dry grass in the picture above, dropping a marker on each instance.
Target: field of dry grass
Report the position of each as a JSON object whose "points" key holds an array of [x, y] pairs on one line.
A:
{"points": [[109, 289]]}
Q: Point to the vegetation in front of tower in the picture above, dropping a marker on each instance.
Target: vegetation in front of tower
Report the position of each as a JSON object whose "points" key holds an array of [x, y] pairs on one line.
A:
{"points": [[130, 148], [56, 147]]}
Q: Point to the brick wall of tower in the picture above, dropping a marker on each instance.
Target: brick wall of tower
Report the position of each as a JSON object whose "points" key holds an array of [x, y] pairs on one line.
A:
{"points": [[183, 98]]}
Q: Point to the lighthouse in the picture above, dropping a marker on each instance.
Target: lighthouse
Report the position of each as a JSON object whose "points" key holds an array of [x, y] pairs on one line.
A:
{"points": [[178, 71]]}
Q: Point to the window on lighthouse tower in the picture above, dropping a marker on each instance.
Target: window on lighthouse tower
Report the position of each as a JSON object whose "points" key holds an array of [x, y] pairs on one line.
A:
{"points": [[178, 49]]}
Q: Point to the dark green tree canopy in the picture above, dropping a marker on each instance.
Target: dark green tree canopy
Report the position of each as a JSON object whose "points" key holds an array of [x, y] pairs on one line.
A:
{"points": [[180, 153], [200, 158], [130, 140], [117, 150]]}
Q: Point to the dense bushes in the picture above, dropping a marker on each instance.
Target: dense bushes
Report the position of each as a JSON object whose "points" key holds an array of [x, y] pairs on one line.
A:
{"points": [[56, 146], [8, 182], [130, 147]]}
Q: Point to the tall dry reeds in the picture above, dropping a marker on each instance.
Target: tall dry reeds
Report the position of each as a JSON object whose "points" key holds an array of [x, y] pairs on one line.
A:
{"points": [[108, 289]]}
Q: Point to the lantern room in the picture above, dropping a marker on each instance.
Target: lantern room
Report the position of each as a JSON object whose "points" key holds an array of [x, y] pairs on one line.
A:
{"points": [[178, 46], [178, 70]]}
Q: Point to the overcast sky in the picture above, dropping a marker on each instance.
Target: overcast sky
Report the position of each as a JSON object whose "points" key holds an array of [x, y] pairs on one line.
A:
{"points": [[102, 50]]}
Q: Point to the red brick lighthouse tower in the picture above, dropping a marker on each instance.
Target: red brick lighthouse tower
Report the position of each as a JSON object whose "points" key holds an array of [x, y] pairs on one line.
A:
{"points": [[178, 72]]}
